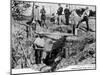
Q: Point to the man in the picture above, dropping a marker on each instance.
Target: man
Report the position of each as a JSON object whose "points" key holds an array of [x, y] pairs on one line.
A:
{"points": [[74, 20], [84, 17], [36, 13], [39, 45], [52, 19], [43, 16], [34, 19], [67, 14], [59, 12]]}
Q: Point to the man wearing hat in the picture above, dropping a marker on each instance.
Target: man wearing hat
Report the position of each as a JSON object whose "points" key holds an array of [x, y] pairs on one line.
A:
{"points": [[59, 12], [67, 14], [84, 17]]}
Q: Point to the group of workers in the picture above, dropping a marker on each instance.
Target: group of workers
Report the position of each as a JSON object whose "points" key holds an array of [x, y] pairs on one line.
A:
{"points": [[67, 13]]}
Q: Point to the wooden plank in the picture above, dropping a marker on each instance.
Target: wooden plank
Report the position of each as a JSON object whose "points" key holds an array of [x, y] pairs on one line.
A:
{"points": [[85, 29], [59, 33]]}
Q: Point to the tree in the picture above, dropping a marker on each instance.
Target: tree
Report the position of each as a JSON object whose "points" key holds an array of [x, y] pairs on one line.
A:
{"points": [[18, 8]]}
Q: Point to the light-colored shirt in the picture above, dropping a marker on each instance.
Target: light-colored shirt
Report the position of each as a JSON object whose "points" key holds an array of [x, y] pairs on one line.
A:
{"points": [[40, 42], [36, 14], [85, 13], [75, 18], [48, 45]]}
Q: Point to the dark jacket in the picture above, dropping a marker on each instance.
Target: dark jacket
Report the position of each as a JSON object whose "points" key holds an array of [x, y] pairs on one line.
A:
{"points": [[59, 11], [66, 12], [43, 11]]}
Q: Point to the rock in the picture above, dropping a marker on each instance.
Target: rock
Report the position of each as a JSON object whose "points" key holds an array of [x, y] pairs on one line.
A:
{"points": [[45, 69]]}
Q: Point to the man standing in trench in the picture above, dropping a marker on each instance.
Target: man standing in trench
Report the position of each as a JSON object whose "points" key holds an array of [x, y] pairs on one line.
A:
{"points": [[39, 45]]}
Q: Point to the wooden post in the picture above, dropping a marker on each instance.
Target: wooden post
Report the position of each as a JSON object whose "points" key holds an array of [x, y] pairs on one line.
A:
{"points": [[67, 53], [33, 10], [76, 29]]}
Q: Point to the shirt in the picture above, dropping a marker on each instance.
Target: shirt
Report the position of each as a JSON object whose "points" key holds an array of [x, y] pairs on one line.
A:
{"points": [[40, 42], [85, 13], [43, 11], [67, 12], [59, 11], [36, 14], [48, 45], [75, 18]]}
